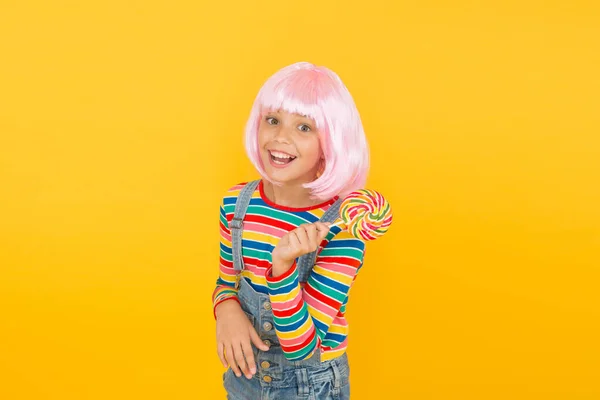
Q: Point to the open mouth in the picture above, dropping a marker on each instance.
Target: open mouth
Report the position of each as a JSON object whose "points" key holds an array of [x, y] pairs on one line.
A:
{"points": [[279, 158]]}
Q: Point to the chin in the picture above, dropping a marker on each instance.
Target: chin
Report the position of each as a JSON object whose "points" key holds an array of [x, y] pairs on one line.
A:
{"points": [[280, 178]]}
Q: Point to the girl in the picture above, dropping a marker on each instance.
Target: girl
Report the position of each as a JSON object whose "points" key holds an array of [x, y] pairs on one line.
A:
{"points": [[284, 278]]}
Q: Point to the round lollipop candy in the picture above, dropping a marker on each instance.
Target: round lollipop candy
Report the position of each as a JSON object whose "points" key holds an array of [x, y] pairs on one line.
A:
{"points": [[366, 214]]}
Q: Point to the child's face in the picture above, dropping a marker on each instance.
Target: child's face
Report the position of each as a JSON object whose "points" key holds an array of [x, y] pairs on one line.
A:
{"points": [[289, 147]]}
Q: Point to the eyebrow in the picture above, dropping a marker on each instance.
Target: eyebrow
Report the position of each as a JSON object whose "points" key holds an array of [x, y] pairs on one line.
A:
{"points": [[278, 112]]}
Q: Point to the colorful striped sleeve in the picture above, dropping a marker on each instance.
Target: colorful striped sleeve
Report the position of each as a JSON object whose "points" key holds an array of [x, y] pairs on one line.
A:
{"points": [[303, 317], [225, 288]]}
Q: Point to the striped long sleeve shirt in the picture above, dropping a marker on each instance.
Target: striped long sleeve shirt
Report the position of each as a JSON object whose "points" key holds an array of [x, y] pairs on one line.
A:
{"points": [[307, 316]]}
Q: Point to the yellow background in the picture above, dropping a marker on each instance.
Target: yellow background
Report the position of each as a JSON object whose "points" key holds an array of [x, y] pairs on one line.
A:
{"points": [[121, 128]]}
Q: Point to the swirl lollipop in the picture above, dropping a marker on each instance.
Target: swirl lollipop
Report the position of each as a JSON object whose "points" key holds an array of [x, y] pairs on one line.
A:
{"points": [[366, 214]]}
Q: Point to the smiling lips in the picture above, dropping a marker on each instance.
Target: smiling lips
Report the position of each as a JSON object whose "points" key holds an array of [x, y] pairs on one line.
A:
{"points": [[280, 159]]}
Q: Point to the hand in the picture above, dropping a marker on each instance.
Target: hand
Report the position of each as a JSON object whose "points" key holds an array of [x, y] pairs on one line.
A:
{"points": [[302, 240], [234, 334]]}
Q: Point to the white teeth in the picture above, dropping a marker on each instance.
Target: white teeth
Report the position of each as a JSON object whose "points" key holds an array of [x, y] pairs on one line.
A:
{"points": [[280, 155]]}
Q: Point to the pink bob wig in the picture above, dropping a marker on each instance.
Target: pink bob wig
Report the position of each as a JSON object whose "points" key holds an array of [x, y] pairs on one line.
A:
{"points": [[318, 93]]}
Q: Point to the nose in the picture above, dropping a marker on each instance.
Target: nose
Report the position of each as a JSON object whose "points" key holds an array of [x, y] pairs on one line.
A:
{"points": [[283, 134]]}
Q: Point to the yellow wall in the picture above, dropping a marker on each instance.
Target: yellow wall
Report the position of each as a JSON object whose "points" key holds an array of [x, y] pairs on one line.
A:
{"points": [[120, 129]]}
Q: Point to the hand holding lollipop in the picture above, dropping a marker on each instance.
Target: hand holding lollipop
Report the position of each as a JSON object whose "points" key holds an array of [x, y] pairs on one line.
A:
{"points": [[364, 213]]}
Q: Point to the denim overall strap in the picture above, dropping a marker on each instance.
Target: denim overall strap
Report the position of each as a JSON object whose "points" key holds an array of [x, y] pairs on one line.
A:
{"points": [[307, 262], [236, 225]]}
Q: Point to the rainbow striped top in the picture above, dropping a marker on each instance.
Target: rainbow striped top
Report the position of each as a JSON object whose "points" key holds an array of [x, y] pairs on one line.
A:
{"points": [[316, 310]]}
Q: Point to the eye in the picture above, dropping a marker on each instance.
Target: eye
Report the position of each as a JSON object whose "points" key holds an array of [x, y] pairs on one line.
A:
{"points": [[271, 121], [304, 128]]}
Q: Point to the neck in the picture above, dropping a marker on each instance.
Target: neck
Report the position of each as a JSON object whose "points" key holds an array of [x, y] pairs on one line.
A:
{"points": [[294, 196]]}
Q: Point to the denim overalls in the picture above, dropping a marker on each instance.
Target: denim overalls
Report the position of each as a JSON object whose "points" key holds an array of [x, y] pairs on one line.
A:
{"points": [[276, 377]]}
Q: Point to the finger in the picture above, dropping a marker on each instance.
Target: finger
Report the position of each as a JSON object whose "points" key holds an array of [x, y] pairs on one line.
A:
{"points": [[294, 242], [303, 240], [323, 229], [241, 361], [249, 355], [285, 239], [221, 353], [256, 340], [231, 359], [313, 236], [322, 226]]}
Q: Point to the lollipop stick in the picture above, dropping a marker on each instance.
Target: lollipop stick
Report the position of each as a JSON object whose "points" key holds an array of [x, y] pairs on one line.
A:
{"points": [[338, 223]]}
